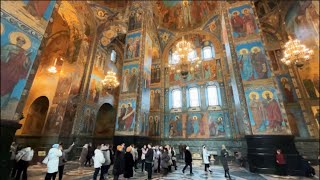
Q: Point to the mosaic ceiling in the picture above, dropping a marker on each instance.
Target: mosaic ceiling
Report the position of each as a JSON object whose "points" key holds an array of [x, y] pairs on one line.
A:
{"points": [[183, 15]]}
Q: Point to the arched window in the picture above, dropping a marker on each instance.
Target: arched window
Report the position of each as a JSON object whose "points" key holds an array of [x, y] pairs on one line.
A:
{"points": [[192, 55], [207, 52], [176, 98], [174, 58], [213, 99], [113, 56], [194, 97]]}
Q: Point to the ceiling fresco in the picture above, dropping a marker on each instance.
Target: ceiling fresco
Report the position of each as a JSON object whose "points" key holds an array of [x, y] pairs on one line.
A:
{"points": [[111, 19], [184, 15]]}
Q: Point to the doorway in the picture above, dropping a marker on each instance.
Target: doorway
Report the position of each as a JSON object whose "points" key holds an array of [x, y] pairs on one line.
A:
{"points": [[105, 121], [36, 116]]}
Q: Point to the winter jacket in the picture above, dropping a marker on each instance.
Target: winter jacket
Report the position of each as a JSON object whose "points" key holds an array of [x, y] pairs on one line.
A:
{"points": [[143, 155], [25, 154], [224, 160], [118, 166], [205, 156], [98, 158], [128, 165], [165, 158], [83, 155], [149, 156], [136, 155], [53, 160], [63, 158], [107, 157], [188, 157]]}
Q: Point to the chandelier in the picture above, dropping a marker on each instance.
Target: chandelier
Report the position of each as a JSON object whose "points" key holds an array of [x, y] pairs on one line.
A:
{"points": [[296, 53], [186, 64], [110, 80]]}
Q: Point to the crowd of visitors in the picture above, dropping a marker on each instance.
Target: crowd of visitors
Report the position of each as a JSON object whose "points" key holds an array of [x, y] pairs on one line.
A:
{"points": [[154, 159]]}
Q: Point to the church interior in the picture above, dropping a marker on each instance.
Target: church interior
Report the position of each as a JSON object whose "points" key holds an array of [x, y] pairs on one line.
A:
{"points": [[244, 74]]}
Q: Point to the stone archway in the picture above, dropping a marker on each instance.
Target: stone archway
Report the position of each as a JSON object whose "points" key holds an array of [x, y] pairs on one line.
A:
{"points": [[36, 116], [105, 120]]}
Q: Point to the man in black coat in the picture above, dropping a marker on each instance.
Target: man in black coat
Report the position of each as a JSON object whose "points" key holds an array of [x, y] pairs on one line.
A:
{"points": [[188, 160], [149, 160]]}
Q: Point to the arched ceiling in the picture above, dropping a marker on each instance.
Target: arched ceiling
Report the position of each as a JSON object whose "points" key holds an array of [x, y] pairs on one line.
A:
{"points": [[111, 19], [183, 15]]}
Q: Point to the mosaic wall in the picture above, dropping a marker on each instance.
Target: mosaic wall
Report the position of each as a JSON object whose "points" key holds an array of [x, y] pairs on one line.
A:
{"points": [[287, 88], [243, 22], [155, 73], [130, 78], [135, 16], [297, 122], [196, 125], [97, 93], [182, 15], [264, 111], [213, 26], [126, 117], [133, 42], [22, 27], [252, 61], [89, 118], [140, 111], [153, 125], [145, 96]]}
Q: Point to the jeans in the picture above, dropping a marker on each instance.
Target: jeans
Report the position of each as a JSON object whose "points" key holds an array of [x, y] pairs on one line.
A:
{"points": [[14, 168], [206, 166], [149, 169], [95, 174], [88, 160], [104, 171], [159, 165], [50, 176], [61, 168], [135, 164], [174, 163], [142, 164], [185, 167], [22, 168], [226, 173]]}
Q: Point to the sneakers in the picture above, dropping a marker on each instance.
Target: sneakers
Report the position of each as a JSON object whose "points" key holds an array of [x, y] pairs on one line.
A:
{"points": [[191, 174]]}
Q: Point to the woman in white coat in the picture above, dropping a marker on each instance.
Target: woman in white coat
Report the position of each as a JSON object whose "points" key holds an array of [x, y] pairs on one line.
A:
{"points": [[98, 160], [205, 157], [52, 161]]}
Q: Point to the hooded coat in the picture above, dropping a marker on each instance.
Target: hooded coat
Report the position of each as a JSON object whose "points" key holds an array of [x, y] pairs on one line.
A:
{"points": [[53, 159], [98, 158], [165, 158], [205, 156]]}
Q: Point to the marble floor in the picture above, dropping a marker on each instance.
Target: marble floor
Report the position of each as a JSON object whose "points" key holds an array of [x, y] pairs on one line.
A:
{"points": [[37, 172]]}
